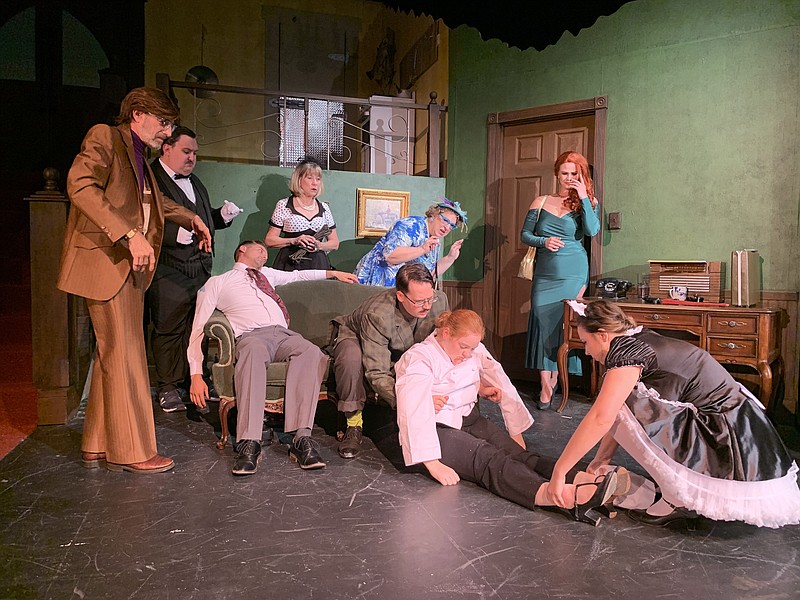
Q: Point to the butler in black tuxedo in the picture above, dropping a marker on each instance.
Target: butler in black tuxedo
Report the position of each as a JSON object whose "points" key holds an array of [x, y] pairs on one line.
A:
{"points": [[182, 267]]}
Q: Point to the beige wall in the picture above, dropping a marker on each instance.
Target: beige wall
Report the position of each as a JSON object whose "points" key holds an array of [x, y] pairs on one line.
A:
{"points": [[234, 48]]}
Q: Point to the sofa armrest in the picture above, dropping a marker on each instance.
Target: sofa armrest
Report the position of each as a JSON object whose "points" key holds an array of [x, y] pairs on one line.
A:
{"points": [[218, 328]]}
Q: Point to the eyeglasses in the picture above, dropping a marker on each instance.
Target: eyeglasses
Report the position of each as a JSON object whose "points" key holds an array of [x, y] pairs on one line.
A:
{"points": [[448, 221], [164, 123], [423, 302]]}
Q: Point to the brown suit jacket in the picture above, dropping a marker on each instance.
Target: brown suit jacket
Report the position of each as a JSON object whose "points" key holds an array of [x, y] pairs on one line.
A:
{"points": [[106, 204]]}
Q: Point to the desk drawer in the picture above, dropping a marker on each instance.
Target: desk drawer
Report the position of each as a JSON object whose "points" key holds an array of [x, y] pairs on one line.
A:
{"points": [[725, 346], [667, 319], [736, 324]]}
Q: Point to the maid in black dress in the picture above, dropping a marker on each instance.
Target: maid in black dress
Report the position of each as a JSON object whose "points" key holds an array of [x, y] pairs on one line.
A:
{"points": [[703, 438], [301, 225]]}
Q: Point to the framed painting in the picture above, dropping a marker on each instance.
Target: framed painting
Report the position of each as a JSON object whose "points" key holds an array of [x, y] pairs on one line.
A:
{"points": [[377, 210]]}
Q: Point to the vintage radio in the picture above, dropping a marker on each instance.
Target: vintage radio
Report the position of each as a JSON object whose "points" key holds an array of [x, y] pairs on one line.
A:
{"points": [[702, 278]]}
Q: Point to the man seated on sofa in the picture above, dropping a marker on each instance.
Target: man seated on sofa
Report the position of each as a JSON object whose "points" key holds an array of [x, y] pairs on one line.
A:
{"points": [[246, 295], [370, 340]]}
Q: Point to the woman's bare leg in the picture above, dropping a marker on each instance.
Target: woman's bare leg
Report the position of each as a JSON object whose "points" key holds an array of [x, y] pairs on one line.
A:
{"points": [[584, 492], [548, 380]]}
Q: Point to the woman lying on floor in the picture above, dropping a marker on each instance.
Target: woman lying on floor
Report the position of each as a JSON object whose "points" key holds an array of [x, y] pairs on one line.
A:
{"points": [[703, 438], [453, 440]]}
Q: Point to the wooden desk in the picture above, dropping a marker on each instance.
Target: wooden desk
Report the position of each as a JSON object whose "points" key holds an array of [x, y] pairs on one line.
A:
{"points": [[750, 337]]}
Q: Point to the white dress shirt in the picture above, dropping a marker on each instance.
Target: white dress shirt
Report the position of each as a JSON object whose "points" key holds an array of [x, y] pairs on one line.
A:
{"points": [[245, 306], [184, 236], [425, 370]]}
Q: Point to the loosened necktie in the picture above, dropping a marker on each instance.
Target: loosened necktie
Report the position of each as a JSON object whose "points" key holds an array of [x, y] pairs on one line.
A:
{"points": [[265, 286]]}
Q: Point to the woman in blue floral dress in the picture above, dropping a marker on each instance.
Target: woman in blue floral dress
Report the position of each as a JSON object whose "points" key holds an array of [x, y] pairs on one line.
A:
{"points": [[414, 239]]}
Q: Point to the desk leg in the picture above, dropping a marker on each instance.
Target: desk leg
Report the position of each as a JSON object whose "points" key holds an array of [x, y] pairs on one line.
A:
{"points": [[765, 393], [563, 374], [769, 390], [595, 380]]}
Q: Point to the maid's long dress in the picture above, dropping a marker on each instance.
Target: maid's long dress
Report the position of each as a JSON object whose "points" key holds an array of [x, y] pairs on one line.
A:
{"points": [[557, 276], [703, 438]]}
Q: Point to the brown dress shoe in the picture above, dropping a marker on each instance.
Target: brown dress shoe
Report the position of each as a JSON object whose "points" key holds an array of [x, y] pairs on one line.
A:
{"points": [[157, 464], [92, 460]]}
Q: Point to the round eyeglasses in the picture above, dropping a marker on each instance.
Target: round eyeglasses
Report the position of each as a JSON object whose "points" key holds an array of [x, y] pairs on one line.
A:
{"points": [[423, 302], [164, 123]]}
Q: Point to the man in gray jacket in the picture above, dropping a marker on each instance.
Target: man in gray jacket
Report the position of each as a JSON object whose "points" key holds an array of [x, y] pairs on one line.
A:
{"points": [[369, 341]]}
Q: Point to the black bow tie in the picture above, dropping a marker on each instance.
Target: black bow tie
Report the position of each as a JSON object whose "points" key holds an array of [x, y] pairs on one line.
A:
{"points": [[179, 176]]}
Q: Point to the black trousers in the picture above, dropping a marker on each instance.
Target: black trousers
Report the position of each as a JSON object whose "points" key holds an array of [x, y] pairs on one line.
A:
{"points": [[171, 301], [484, 454]]}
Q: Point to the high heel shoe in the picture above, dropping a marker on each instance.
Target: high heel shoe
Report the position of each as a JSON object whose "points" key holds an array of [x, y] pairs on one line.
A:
{"points": [[623, 487], [593, 510]]}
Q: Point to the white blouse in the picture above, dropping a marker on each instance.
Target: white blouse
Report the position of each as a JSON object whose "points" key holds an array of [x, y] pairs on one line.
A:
{"points": [[425, 370]]}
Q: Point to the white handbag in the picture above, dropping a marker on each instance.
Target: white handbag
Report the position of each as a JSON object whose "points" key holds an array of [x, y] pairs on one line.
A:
{"points": [[529, 260]]}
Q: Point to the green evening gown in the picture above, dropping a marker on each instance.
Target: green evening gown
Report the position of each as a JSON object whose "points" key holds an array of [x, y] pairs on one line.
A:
{"points": [[557, 276]]}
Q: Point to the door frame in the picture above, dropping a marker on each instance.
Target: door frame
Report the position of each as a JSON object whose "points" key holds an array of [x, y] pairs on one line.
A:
{"points": [[496, 123]]}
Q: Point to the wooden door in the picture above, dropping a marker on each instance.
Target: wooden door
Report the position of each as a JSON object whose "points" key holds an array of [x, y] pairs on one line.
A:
{"points": [[528, 153]]}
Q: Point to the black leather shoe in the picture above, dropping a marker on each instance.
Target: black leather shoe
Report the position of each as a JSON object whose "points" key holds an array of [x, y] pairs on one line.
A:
{"points": [[303, 451], [351, 442], [542, 405], [171, 401], [678, 514], [248, 458]]}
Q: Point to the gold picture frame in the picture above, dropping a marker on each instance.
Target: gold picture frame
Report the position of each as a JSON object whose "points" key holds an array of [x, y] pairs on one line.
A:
{"points": [[377, 210]]}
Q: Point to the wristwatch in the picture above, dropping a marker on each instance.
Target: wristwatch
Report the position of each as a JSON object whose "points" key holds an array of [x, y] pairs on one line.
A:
{"points": [[131, 233]]}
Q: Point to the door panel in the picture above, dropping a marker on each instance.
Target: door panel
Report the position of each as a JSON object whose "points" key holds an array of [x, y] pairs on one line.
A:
{"points": [[528, 154]]}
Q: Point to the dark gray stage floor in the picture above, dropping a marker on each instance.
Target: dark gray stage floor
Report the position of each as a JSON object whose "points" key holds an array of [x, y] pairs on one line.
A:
{"points": [[358, 529]]}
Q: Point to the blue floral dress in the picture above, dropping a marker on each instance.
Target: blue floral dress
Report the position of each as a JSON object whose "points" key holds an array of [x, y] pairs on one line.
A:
{"points": [[409, 232]]}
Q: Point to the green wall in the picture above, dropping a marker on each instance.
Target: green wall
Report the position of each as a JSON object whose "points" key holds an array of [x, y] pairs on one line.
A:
{"points": [[257, 189], [703, 126]]}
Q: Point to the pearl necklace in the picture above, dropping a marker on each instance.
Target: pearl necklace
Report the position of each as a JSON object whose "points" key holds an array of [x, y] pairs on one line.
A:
{"points": [[312, 206]]}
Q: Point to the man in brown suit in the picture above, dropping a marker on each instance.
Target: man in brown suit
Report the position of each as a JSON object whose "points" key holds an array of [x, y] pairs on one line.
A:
{"points": [[111, 246]]}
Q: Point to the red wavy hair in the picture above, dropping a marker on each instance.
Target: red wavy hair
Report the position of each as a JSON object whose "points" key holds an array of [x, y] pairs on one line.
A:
{"points": [[461, 322], [572, 201]]}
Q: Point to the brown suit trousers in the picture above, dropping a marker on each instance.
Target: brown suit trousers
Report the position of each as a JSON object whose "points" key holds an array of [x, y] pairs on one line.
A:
{"points": [[119, 412]]}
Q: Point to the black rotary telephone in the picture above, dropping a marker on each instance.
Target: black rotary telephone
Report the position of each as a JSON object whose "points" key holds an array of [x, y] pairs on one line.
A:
{"points": [[610, 287]]}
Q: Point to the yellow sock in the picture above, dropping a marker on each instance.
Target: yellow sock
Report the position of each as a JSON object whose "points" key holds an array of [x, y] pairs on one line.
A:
{"points": [[355, 419]]}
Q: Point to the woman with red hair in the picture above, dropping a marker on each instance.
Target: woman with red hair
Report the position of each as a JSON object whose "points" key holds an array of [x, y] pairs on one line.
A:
{"points": [[453, 441], [557, 225]]}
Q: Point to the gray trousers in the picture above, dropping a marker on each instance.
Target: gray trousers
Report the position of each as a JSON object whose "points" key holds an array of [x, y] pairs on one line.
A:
{"points": [[349, 373], [255, 350]]}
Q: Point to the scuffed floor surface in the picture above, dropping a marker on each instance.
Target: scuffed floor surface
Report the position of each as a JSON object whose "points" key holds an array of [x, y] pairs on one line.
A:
{"points": [[358, 529]]}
